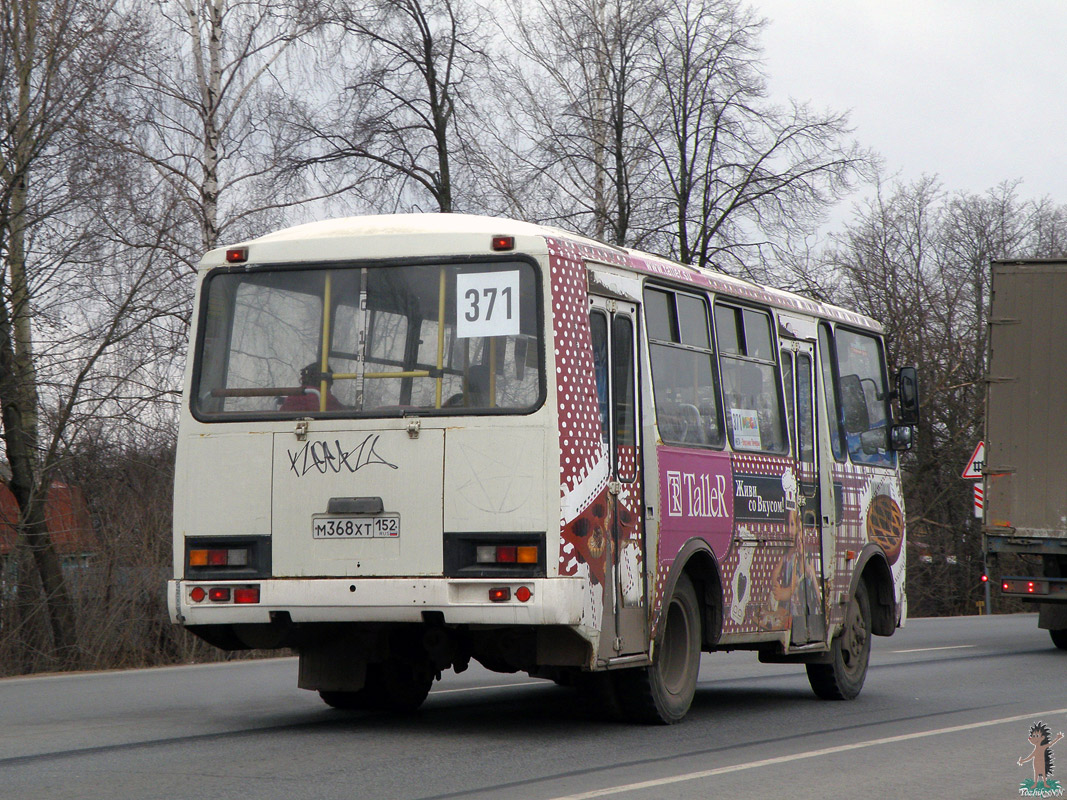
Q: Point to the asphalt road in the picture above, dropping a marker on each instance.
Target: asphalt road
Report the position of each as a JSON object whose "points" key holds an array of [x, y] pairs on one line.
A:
{"points": [[945, 712]]}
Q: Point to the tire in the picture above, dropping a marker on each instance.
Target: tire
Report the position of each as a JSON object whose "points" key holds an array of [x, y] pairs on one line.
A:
{"points": [[1059, 637], [662, 693], [395, 685], [345, 701], [850, 653]]}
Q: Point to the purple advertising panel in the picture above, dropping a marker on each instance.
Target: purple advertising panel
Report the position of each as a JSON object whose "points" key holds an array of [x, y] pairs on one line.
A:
{"points": [[696, 499]]}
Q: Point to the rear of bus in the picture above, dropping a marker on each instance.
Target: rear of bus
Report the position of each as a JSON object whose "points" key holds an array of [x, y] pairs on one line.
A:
{"points": [[367, 465]]}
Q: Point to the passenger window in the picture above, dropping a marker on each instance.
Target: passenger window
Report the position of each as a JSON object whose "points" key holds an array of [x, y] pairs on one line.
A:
{"points": [[750, 380], [830, 392], [683, 368]]}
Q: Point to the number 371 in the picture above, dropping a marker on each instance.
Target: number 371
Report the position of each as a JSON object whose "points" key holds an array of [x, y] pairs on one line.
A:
{"points": [[488, 304]]}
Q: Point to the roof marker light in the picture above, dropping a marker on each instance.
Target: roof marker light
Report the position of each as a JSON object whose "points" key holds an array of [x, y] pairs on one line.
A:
{"points": [[237, 255], [503, 243]]}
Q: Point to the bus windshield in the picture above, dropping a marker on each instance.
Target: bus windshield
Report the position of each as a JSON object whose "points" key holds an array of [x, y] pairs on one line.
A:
{"points": [[370, 341]]}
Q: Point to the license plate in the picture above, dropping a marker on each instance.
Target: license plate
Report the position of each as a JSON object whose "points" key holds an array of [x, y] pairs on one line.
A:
{"points": [[383, 526]]}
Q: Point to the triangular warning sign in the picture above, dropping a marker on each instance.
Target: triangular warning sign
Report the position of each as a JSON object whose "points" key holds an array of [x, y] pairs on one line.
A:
{"points": [[973, 470]]}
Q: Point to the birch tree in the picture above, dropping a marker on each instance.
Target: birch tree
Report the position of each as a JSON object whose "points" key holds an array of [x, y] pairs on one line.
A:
{"points": [[56, 61], [582, 77], [205, 105]]}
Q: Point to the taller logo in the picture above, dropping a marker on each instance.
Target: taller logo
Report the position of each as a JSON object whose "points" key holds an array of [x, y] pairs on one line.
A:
{"points": [[696, 494]]}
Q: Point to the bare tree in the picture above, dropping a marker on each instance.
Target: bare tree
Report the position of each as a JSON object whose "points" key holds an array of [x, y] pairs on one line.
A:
{"points": [[918, 260], [739, 173], [581, 76], [56, 60], [203, 110], [398, 130]]}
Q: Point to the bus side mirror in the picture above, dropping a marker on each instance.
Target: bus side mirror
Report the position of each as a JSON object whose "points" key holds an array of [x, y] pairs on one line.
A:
{"points": [[901, 437], [907, 392]]}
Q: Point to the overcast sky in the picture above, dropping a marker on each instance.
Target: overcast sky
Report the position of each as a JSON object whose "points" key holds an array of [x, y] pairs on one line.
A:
{"points": [[972, 90]]}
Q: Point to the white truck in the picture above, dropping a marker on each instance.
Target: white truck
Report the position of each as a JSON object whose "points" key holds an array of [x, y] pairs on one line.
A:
{"points": [[1025, 472]]}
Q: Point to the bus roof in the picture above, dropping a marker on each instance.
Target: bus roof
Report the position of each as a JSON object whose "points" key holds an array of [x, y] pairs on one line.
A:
{"points": [[376, 236]]}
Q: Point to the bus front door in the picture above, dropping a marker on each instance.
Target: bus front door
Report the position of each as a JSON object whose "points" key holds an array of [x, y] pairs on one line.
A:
{"points": [[613, 324], [809, 621]]}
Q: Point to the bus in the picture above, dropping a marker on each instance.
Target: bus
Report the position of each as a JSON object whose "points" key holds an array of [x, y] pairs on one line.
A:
{"points": [[409, 441]]}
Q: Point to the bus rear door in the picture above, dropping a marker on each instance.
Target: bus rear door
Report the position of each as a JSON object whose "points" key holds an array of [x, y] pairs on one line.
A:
{"points": [[613, 324]]}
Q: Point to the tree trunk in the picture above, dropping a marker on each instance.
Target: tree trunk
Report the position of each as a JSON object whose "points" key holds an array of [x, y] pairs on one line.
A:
{"points": [[18, 380]]}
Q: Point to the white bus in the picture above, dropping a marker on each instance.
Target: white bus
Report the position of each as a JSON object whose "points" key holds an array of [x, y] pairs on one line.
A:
{"points": [[409, 441]]}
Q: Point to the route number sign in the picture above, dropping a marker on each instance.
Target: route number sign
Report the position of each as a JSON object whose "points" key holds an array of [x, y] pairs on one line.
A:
{"points": [[487, 304]]}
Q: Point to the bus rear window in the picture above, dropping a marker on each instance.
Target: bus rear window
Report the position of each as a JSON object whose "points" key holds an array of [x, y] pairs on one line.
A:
{"points": [[370, 341]]}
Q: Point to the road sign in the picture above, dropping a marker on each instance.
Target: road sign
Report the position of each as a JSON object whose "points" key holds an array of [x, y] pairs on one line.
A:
{"points": [[979, 500], [973, 470]]}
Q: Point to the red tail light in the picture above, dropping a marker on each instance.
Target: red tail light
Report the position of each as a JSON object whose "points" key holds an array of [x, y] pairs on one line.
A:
{"points": [[247, 594], [500, 594]]}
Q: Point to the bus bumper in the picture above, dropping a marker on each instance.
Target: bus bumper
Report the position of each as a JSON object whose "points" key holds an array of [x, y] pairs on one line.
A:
{"points": [[551, 601]]}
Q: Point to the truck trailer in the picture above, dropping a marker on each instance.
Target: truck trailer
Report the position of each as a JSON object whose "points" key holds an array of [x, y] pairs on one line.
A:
{"points": [[1025, 471]]}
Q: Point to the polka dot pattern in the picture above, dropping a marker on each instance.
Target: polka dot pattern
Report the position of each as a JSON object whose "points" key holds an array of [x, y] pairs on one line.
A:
{"points": [[579, 418], [584, 458]]}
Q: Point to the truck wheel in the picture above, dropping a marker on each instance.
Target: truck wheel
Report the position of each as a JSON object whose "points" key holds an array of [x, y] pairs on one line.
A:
{"points": [[1059, 638], [850, 653], [663, 692]]}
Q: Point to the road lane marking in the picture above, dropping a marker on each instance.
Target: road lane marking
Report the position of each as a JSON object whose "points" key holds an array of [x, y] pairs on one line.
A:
{"points": [[436, 692], [931, 649], [826, 751]]}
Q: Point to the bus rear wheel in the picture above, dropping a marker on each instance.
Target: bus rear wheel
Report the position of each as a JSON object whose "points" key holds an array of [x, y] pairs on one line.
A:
{"points": [[1059, 637], [395, 685], [663, 692], [842, 678]]}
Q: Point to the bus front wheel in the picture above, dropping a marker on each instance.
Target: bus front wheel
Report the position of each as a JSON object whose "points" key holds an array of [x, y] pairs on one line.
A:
{"points": [[663, 692], [843, 677]]}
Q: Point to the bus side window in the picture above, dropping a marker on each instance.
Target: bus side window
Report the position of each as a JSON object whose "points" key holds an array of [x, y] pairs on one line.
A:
{"points": [[751, 379], [864, 398], [598, 329], [826, 358], [683, 368]]}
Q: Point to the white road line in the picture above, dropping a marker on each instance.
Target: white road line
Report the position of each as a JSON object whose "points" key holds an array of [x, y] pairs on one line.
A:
{"points": [[828, 751], [484, 688], [931, 649]]}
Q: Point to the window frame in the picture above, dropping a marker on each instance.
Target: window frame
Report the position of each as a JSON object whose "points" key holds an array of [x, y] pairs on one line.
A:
{"points": [[675, 324], [724, 301], [457, 261], [879, 341]]}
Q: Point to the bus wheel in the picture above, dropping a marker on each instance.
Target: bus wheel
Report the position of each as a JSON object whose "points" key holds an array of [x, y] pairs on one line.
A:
{"points": [[663, 692], [850, 653], [395, 685], [345, 701], [399, 684], [1059, 637]]}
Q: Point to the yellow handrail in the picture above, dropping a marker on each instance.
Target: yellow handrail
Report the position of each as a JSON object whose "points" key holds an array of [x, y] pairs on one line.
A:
{"points": [[324, 366], [440, 338]]}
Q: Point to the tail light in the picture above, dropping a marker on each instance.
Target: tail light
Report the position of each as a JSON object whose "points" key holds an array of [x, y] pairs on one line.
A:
{"points": [[505, 554]]}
